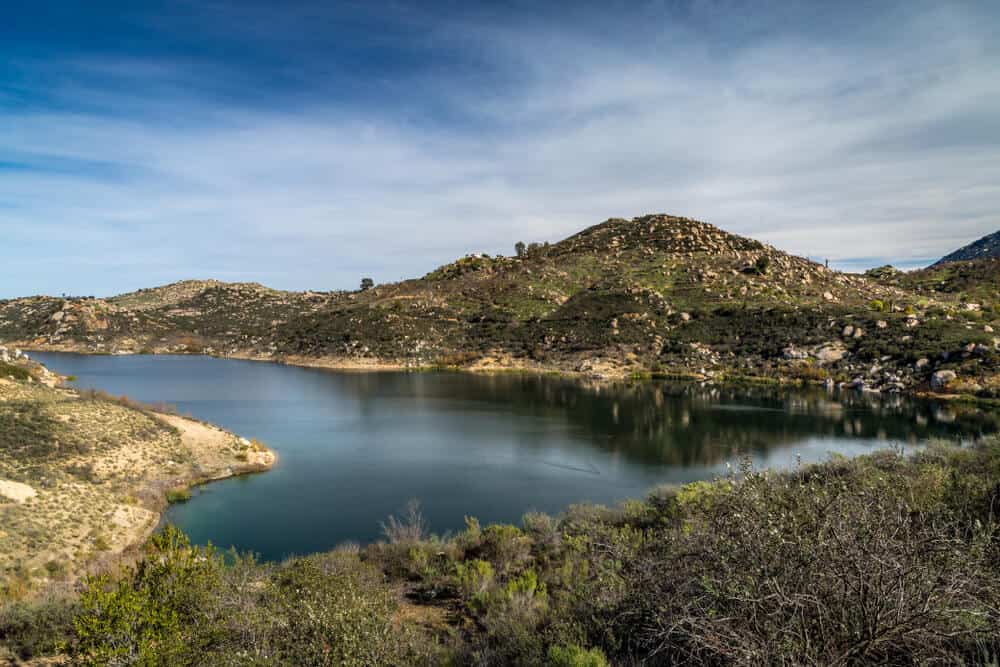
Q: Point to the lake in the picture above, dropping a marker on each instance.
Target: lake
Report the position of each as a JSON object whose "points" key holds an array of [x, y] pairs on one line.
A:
{"points": [[355, 447]]}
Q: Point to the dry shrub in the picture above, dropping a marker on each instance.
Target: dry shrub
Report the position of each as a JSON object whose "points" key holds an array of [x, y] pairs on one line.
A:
{"points": [[808, 570], [410, 527]]}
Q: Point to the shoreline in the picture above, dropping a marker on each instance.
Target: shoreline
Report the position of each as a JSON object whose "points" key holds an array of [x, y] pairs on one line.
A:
{"points": [[185, 452], [157, 490], [606, 373]]}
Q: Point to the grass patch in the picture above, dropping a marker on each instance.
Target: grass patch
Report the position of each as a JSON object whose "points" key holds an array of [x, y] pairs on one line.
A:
{"points": [[178, 494]]}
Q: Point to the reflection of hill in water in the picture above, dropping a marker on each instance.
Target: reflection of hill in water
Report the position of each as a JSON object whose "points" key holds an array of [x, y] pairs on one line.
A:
{"points": [[686, 424]]}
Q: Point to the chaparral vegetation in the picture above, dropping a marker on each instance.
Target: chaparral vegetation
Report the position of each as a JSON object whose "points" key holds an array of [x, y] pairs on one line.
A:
{"points": [[883, 559]]}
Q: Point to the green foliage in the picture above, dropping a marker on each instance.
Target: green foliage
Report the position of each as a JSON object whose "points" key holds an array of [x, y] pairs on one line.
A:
{"points": [[506, 546], [16, 372], [179, 494], [574, 656], [475, 579], [702, 494], [31, 629], [878, 305], [149, 616], [336, 611]]}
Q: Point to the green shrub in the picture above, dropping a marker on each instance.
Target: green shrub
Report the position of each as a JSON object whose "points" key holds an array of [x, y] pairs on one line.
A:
{"points": [[153, 614], [16, 372], [32, 629], [505, 546], [474, 579], [179, 494], [335, 611], [574, 656]]}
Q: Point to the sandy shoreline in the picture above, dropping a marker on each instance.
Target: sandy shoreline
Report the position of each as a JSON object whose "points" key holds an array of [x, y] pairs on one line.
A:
{"points": [[86, 493], [205, 441]]}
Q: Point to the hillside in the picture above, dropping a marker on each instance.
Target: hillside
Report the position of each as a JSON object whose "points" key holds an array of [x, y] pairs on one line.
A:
{"points": [[975, 282], [985, 248], [84, 476], [655, 294]]}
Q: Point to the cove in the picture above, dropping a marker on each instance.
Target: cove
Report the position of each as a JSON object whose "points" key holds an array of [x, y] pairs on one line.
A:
{"points": [[355, 447]]}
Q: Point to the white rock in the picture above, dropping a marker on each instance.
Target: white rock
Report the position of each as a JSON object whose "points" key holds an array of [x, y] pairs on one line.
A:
{"points": [[940, 379]]}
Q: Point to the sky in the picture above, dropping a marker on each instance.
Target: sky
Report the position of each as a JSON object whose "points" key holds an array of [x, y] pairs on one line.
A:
{"points": [[305, 145]]}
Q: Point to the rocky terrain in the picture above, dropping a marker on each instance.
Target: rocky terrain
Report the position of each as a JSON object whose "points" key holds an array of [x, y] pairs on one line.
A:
{"points": [[84, 476], [657, 294], [985, 248]]}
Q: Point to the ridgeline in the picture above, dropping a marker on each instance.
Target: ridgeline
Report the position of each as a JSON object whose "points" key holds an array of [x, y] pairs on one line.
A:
{"points": [[657, 294]]}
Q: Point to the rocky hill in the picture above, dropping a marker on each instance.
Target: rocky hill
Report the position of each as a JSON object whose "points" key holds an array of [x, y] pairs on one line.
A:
{"points": [[969, 282], [655, 294], [985, 248]]}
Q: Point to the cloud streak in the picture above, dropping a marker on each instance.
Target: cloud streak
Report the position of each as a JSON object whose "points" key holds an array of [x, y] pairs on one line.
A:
{"points": [[863, 146]]}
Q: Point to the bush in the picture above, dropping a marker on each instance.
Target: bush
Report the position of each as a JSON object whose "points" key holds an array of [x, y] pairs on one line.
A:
{"points": [[335, 610], [38, 628], [178, 494], [154, 614], [411, 527], [505, 546], [792, 570], [16, 372], [574, 656]]}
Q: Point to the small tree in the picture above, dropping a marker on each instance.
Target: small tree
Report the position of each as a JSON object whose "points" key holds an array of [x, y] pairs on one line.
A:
{"points": [[520, 248], [762, 264], [367, 284]]}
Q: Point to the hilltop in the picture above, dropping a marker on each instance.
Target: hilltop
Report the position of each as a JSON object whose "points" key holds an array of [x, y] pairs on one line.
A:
{"points": [[985, 248], [655, 294]]}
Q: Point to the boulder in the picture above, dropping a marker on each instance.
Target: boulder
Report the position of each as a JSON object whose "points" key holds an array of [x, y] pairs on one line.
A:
{"points": [[941, 379], [830, 353]]}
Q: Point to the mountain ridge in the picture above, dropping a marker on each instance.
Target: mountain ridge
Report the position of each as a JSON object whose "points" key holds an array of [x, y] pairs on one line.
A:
{"points": [[985, 248], [654, 294]]}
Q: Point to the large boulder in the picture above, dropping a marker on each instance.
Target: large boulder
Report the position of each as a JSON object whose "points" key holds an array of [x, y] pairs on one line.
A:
{"points": [[941, 379]]}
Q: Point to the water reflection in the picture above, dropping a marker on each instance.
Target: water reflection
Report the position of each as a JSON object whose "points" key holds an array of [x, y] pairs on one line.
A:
{"points": [[355, 446]]}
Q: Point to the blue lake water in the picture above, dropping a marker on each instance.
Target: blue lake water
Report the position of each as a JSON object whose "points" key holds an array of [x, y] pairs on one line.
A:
{"points": [[355, 447]]}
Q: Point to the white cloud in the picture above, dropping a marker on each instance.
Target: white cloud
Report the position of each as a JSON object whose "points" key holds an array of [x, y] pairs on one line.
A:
{"points": [[818, 146]]}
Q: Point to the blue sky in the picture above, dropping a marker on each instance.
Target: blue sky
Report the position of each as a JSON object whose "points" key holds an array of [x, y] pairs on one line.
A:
{"points": [[305, 145]]}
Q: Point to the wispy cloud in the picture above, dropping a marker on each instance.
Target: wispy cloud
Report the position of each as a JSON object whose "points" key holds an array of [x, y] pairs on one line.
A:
{"points": [[862, 145]]}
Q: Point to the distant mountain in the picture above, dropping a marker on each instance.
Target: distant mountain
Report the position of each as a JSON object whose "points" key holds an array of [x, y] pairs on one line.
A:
{"points": [[654, 294], [984, 248]]}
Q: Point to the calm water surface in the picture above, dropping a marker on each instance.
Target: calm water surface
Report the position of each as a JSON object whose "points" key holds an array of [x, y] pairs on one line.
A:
{"points": [[354, 447]]}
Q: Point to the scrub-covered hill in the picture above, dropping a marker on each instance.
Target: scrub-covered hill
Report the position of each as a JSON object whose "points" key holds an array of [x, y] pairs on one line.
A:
{"points": [[985, 248], [655, 294]]}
